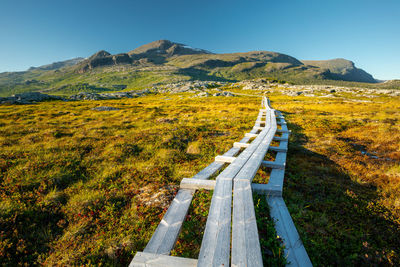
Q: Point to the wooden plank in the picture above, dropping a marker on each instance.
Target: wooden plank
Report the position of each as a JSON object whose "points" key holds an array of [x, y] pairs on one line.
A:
{"points": [[266, 189], [240, 145], [250, 169], [190, 183], [211, 169], [277, 138], [251, 135], [284, 127], [259, 128], [283, 147], [225, 159], [246, 250], [143, 259], [284, 137], [215, 245], [164, 238], [278, 148], [285, 228], [245, 241], [273, 164]]}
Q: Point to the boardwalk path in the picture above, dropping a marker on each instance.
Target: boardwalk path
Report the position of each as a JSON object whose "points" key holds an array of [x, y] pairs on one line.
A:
{"points": [[231, 234]]}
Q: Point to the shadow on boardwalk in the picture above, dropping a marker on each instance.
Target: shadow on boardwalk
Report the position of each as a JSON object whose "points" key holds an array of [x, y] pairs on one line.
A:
{"points": [[338, 219]]}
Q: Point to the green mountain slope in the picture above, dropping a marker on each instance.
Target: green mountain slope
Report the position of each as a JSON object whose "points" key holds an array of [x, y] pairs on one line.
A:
{"points": [[164, 61], [342, 69]]}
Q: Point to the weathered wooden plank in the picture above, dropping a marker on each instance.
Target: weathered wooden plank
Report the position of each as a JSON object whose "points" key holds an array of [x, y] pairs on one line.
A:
{"points": [[275, 183], [285, 228], [164, 238], [143, 259], [250, 169], [251, 135], [190, 183], [284, 137], [277, 138], [225, 159], [283, 147], [215, 245], [278, 148], [246, 249], [273, 164], [266, 189], [245, 242], [240, 145]]}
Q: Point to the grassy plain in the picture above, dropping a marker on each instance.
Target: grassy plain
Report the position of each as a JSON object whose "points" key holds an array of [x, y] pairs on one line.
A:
{"points": [[85, 187]]}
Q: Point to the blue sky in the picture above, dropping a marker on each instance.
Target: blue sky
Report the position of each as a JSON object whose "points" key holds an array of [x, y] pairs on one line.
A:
{"points": [[34, 33]]}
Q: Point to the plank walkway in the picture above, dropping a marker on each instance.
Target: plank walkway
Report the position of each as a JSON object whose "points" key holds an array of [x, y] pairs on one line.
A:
{"points": [[231, 234]]}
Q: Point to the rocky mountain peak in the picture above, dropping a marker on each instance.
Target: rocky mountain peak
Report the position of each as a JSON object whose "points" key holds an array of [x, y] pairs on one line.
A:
{"points": [[100, 54], [167, 48]]}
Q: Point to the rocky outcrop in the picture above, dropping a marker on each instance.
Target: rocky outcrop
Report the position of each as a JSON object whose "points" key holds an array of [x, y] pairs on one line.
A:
{"points": [[105, 96], [103, 58], [121, 59], [28, 98], [190, 86]]}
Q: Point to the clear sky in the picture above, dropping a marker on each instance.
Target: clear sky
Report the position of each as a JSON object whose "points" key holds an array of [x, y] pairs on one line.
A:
{"points": [[38, 32]]}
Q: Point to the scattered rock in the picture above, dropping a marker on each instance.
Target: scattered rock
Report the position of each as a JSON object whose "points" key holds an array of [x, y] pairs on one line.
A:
{"points": [[166, 120], [103, 96], [227, 94], [104, 108], [202, 94], [28, 98]]}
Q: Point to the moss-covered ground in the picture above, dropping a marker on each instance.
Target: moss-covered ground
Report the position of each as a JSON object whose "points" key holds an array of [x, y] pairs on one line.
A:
{"points": [[85, 187]]}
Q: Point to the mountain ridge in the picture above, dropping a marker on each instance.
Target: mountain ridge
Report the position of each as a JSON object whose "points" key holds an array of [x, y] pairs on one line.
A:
{"points": [[164, 61]]}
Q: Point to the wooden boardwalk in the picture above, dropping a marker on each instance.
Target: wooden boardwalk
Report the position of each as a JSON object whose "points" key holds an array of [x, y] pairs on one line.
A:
{"points": [[231, 234]]}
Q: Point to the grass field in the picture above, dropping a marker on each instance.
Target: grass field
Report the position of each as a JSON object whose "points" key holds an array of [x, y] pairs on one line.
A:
{"points": [[85, 187]]}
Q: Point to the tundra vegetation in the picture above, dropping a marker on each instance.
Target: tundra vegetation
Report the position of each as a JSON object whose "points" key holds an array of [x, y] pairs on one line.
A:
{"points": [[86, 187]]}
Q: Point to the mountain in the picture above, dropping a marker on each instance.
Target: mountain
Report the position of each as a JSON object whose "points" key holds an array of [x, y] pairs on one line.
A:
{"points": [[166, 48], [58, 65], [164, 61], [155, 52], [342, 69]]}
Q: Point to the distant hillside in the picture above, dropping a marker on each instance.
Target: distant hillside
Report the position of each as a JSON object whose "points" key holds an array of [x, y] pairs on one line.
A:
{"points": [[58, 65], [164, 61], [342, 69]]}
